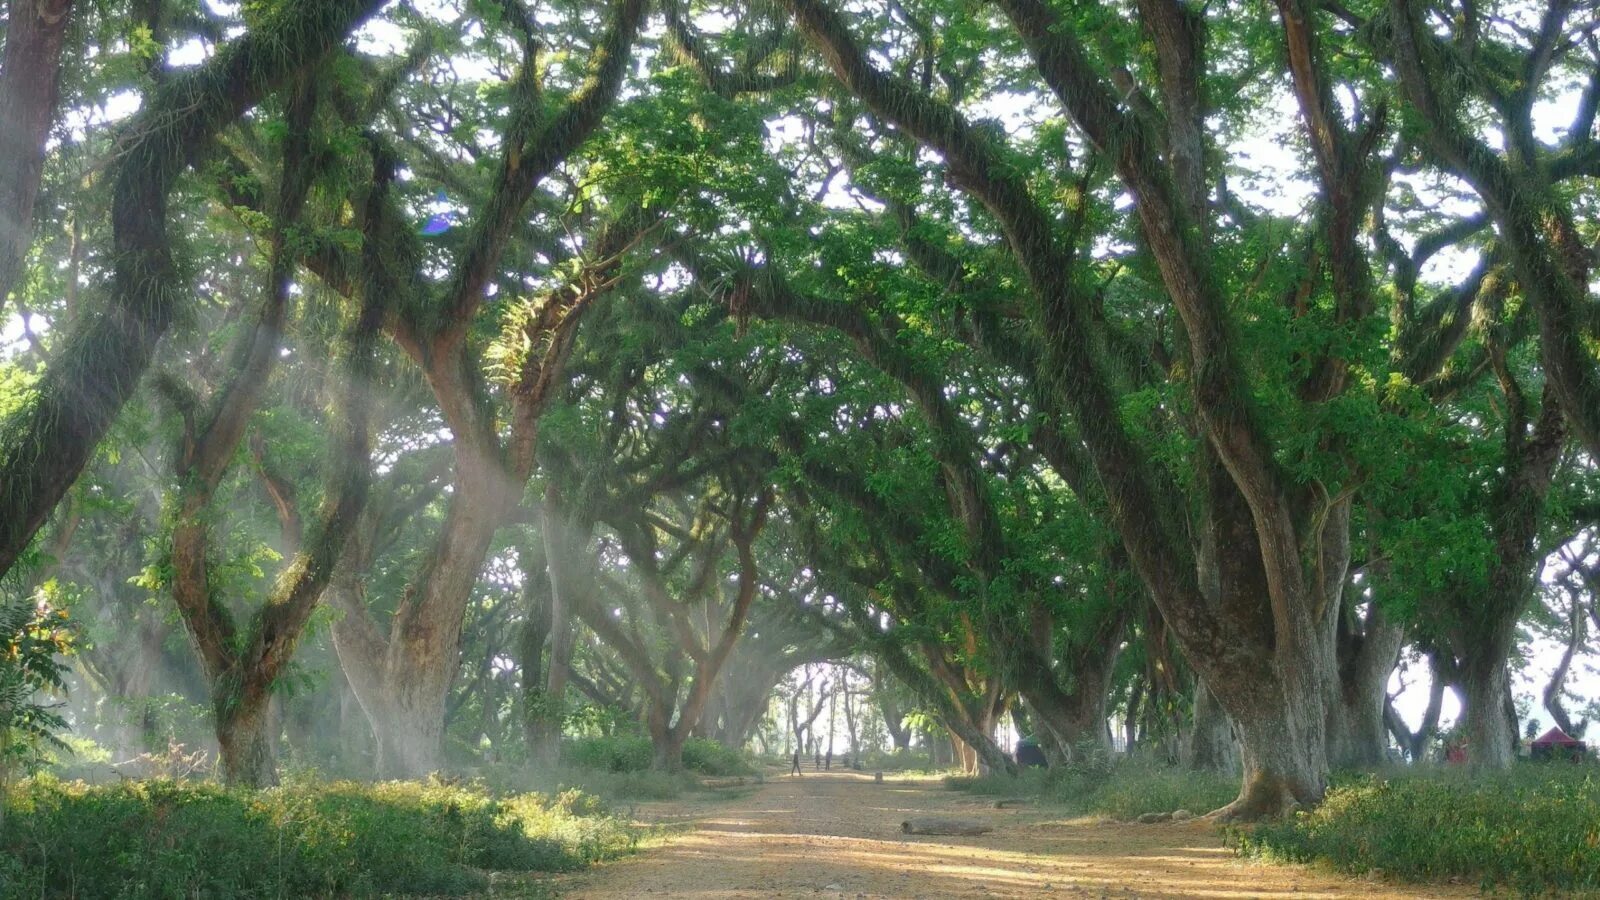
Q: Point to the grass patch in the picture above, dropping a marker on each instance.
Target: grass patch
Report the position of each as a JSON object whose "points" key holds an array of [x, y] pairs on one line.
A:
{"points": [[341, 839], [1121, 789], [1534, 829]]}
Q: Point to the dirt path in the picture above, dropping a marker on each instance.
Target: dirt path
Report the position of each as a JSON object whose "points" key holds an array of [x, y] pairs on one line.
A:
{"points": [[838, 835]]}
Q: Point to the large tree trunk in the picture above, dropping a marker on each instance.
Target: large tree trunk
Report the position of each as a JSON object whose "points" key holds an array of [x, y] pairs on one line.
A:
{"points": [[666, 742], [1074, 716], [1278, 704], [1212, 746], [893, 719], [403, 694], [1491, 733], [245, 742], [1357, 737], [411, 731], [1486, 630], [1285, 765], [30, 79]]}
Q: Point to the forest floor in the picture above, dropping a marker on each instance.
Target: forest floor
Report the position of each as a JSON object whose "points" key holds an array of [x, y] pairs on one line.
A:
{"points": [[838, 835]]}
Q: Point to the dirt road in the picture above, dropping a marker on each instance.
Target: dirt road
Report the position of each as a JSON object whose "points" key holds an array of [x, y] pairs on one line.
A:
{"points": [[838, 835]]}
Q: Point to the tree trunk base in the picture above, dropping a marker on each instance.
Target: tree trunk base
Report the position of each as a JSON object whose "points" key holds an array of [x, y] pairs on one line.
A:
{"points": [[1263, 798]]}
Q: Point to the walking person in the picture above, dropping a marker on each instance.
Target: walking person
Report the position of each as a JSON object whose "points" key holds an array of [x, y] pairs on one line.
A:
{"points": [[795, 769]]}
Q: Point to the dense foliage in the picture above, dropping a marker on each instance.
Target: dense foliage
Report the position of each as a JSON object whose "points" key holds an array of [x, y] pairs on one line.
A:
{"points": [[501, 386]]}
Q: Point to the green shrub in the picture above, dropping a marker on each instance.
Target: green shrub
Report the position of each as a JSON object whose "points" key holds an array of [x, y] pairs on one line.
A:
{"points": [[634, 753], [711, 758], [33, 638], [610, 786], [1122, 789], [1535, 828], [174, 839], [898, 761], [618, 753]]}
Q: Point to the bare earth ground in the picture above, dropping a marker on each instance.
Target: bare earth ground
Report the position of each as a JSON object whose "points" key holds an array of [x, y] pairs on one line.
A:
{"points": [[838, 835]]}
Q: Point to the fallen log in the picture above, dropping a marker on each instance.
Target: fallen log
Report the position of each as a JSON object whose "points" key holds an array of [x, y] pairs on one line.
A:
{"points": [[944, 826]]}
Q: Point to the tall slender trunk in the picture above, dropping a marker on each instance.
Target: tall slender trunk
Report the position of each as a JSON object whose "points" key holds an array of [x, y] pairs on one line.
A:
{"points": [[563, 550]]}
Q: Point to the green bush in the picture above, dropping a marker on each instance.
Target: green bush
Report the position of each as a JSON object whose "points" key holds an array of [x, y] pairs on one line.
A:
{"points": [[633, 753], [175, 839], [618, 753], [1123, 789], [897, 761], [711, 758], [1535, 828]]}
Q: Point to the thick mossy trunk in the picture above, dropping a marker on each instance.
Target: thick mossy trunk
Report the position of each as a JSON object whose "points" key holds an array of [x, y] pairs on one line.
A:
{"points": [[1284, 763], [30, 70], [245, 741]]}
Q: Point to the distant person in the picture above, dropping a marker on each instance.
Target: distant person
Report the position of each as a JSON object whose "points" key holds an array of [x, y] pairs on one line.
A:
{"points": [[795, 769], [818, 760]]}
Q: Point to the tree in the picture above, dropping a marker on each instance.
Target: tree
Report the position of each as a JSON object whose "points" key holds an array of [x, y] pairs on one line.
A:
{"points": [[30, 82], [46, 442]]}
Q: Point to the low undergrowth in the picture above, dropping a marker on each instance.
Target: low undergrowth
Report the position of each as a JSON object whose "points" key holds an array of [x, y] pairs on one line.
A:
{"points": [[612, 787], [617, 769], [1116, 788], [633, 753], [162, 839], [1534, 829]]}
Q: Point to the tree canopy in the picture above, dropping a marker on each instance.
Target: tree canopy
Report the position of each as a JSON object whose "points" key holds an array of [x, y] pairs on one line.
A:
{"points": [[491, 364]]}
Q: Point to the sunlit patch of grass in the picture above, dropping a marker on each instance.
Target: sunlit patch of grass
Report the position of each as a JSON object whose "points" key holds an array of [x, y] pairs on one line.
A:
{"points": [[1534, 829], [308, 839]]}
